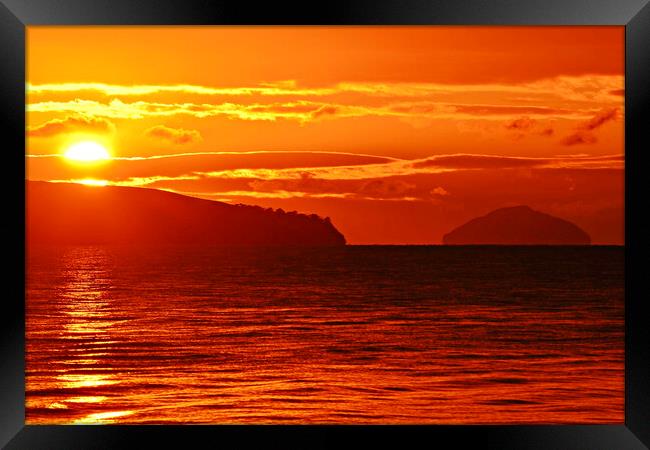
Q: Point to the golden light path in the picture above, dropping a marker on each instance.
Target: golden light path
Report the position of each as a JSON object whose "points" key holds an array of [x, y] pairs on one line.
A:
{"points": [[92, 182]]}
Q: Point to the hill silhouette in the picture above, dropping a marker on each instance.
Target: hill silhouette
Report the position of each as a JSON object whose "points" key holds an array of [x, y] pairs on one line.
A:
{"points": [[518, 225], [61, 213]]}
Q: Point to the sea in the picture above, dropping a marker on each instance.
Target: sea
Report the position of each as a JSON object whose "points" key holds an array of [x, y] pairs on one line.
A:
{"points": [[325, 335]]}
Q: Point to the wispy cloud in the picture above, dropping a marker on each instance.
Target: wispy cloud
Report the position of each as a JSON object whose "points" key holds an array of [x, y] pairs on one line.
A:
{"points": [[285, 100], [174, 135], [302, 111], [116, 90], [127, 182], [586, 87], [579, 137], [245, 159], [601, 118], [278, 194], [390, 180], [71, 124], [584, 132], [521, 124], [471, 161]]}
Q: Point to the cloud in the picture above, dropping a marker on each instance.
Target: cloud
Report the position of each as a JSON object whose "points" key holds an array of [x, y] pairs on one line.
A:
{"points": [[522, 123], [116, 90], [386, 188], [314, 155], [572, 88], [457, 110], [422, 180], [307, 185], [417, 103], [525, 125], [349, 172], [442, 192], [279, 194], [174, 135], [117, 109], [511, 109], [580, 137], [469, 161], [324, 111], [600, 118], [128, 182], [368, 178], [583, 135], [71, 124], [310, 176], [486, 162], [302, 111]]}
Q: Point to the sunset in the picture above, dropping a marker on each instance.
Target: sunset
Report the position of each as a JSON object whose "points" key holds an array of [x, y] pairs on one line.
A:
{"points": [[418, 129], [371, 225]]}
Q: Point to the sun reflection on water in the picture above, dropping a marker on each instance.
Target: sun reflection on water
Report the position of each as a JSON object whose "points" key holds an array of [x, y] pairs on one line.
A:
{"points": [[87, 399], [86, 380], [86, 306], [103, 418]]}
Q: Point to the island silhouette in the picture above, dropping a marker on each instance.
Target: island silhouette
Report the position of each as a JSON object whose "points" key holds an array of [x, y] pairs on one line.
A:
{"points": [[517, 225], [66, 213]]}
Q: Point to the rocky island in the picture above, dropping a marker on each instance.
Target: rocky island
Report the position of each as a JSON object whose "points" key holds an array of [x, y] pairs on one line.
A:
{"points": [[518, 225]]}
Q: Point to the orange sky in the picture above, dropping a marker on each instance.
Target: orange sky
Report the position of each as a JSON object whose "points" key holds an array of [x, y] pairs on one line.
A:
{"points": [[398, 134]]}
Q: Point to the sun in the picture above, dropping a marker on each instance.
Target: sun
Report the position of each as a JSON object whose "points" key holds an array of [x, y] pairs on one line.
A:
{"points": [[87, 151]]}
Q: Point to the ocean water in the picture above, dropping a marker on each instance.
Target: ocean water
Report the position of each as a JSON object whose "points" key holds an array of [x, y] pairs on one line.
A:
{"points": [[357, 334]]}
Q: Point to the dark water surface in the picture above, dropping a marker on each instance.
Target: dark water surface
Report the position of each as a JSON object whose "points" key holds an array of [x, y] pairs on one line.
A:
{"points": [[395, 334]]}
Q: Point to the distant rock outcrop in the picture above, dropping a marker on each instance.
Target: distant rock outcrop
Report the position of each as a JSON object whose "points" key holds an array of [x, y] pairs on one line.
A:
{"points": [[518, 225], [61, 213]]}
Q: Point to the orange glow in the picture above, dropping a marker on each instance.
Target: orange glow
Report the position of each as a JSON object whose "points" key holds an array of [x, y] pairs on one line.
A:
{"points": [[333, 120], [92, 182], [378, 135]]}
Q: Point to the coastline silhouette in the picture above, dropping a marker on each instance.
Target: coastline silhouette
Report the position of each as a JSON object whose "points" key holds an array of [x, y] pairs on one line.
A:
{"points": [[62, 213]]}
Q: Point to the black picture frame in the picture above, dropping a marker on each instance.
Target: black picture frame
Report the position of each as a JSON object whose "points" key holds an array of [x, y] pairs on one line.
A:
{"points": [[15, 15]]}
